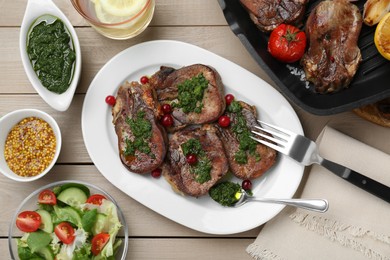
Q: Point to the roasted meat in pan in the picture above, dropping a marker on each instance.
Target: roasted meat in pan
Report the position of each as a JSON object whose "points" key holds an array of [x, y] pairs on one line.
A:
{"points": [[195, 93], [333, 57], [195, 177], [142, 142], [247, 158], [268, 14]]}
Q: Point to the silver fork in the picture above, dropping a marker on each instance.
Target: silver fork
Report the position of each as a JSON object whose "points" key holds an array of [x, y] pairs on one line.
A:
{"points": [[305, 151]]}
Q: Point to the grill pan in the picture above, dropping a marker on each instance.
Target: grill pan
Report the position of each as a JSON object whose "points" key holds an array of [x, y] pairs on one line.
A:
{"points": [[371, 82]]}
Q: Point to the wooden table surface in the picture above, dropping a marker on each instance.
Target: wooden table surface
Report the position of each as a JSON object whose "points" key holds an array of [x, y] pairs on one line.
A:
{"points": [[152, 236]]}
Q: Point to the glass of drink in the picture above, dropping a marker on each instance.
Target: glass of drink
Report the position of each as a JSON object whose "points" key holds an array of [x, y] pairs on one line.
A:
{"points": [[117, 19]]}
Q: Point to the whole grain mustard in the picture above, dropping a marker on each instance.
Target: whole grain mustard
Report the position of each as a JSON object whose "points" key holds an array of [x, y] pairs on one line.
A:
{"points": [[30, 147]]}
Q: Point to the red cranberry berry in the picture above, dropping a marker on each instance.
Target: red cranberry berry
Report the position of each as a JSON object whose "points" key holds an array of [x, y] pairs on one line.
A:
{"points": [[167, 120], [229, 98], [166, 108], [224, 121], [156, 173], [246, 185], [144, 80], [191, 159], [111, 100]]}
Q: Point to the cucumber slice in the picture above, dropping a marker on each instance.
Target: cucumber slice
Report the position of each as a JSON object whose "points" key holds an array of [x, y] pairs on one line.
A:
{"points": [[76, 185], [47, 223], [68, 214], [100, 224], [46, 253], [73, 196]]}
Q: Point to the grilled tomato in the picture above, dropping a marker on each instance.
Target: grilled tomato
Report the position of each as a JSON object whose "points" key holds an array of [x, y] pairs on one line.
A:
{"points": [[287, 43]]}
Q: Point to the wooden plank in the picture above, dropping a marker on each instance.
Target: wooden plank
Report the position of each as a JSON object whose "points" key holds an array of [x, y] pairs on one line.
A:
{"points": [[189, 249], [142, 222], [167, 13], [97, 50], [176, 248]]}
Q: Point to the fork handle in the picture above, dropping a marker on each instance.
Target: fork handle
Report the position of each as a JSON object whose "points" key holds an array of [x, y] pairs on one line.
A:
{"points": [[372, 186]]}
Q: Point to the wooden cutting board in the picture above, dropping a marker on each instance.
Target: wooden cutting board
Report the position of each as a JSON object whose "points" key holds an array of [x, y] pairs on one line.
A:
{"points": [[378, 113]]}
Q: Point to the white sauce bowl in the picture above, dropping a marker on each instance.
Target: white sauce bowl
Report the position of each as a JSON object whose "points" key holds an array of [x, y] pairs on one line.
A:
{"points": [[7, 122], [35, 9]]}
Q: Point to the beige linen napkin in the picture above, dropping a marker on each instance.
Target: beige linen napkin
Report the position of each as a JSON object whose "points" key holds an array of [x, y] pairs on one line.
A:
{"points": [[357, 224]]}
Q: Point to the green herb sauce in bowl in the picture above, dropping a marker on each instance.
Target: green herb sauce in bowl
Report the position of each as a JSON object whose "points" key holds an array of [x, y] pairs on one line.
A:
{"points": [[51, 52]]}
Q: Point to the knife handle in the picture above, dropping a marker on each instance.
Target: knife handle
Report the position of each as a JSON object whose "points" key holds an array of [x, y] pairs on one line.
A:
{"points": [[372, 186]]}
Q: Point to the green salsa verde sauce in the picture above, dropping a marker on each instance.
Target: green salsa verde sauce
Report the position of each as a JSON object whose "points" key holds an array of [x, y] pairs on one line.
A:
{"points": [[225, 193], [240, 128], [142, 131], [190, 94], [202, 168], [51, 53]]}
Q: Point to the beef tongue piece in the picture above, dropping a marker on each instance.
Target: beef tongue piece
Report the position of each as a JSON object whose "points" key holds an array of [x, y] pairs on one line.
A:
{"points": [[268, 14], [333, 57], [177, 171], [255, 166], [131, 99], [166, 81]]}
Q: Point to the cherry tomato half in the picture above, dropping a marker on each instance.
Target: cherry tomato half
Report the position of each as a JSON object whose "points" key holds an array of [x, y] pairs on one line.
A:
{"points": [[287, 43], [98, 242], [28, 221], [47, 197], [224, 121], [111, 100], [96, 199], [65, 232]]}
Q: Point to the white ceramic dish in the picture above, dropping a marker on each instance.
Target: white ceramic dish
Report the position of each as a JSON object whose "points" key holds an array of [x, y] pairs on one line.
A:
{"points": [[35, 9], [202, 214], [10, 120], [30, 203]]}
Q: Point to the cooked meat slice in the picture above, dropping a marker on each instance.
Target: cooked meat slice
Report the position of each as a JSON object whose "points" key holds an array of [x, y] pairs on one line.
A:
{"points": [[268, 14], [333, 57], [195, 93], [197, 178], [247, 158], [141, 140]]}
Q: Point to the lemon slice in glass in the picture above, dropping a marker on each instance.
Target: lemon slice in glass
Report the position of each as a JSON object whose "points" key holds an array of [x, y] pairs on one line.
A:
{"points": [[382, 36], [122, 8], [104, 16]]}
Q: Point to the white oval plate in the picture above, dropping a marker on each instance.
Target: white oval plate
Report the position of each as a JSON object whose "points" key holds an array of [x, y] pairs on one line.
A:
{"points": [[35, 9], [201, 214]]}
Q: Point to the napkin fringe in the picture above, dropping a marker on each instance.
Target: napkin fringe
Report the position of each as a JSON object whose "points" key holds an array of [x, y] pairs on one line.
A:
{"points": [[333, 230], [259, 253]]}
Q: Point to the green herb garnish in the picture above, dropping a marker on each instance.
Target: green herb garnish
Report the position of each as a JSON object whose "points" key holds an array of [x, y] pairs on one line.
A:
{"points": [[203, 167], [240, 128], [190, 94], [142, 131], [225, 193]]}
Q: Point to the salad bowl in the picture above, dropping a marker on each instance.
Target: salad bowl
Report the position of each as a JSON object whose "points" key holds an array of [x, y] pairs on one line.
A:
{"points": [[30, 203]]}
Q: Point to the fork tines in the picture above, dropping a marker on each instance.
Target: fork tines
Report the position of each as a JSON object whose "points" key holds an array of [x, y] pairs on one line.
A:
{"points": [[277, 138]]}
